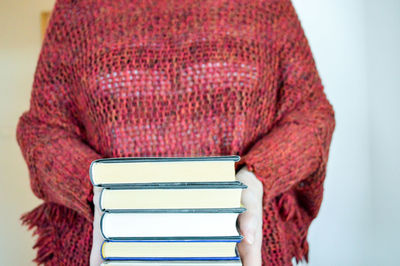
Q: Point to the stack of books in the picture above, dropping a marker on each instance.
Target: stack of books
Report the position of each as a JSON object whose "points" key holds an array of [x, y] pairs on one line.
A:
{"points": [[169, 210]]}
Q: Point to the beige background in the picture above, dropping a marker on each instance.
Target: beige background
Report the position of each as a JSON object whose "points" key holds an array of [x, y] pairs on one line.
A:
{"points": [[19, 47]]}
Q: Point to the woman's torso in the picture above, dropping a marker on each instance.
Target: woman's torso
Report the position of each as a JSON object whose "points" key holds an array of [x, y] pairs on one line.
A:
{"points": [[173, 77]]}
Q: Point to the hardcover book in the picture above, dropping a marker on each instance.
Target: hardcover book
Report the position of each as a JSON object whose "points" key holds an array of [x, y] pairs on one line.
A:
{"points": [[183, 196], [170, 223], [174, 263], [218, 249], [131, 170]]}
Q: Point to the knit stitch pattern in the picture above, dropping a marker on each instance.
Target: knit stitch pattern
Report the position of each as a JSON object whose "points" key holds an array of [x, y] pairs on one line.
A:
{"points": [[120, 78]]}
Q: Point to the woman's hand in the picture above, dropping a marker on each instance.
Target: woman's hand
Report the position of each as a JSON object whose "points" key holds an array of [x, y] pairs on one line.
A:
{"points": [[250, 222], [95, 257]]}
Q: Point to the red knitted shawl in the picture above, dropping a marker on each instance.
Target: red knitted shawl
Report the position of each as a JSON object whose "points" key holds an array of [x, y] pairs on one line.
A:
{"points": [[118, 78]]}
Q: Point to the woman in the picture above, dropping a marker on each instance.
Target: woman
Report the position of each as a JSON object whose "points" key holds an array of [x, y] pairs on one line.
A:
{"points": [[177, 78]]}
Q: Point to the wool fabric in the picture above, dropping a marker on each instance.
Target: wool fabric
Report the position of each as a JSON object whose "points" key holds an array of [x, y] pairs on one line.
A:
{"points": [[122, 78]]}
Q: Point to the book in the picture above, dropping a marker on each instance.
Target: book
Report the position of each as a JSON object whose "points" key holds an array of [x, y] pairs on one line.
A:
{"points": [[174, 263], [183, 196], [131, 170], [219, 249], [202, 223], [169, 210]]}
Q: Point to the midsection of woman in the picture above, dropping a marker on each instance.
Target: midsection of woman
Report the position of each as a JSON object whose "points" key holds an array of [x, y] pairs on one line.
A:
{"points": [[177, 78]]}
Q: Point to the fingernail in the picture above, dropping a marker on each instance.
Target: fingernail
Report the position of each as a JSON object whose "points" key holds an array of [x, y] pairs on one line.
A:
{"points": [[250, 239]]}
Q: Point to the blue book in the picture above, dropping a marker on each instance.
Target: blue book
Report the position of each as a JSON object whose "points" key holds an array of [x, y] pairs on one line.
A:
{"points": [[172, 263]]}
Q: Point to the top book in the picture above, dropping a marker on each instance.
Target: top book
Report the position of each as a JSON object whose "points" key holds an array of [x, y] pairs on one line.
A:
{"points": [[142, 170]]}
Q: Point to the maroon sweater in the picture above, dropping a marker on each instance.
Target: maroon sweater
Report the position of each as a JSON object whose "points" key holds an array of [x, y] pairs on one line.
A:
{"points": [[118, 78]]}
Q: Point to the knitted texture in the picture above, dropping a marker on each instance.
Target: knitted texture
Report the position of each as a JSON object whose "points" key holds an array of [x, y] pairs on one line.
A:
{"points": [[119, 78]]}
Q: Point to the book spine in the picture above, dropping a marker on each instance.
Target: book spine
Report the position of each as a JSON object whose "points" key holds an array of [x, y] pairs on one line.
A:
{"points": [[204, 210], [170, 258], [107, 212]]}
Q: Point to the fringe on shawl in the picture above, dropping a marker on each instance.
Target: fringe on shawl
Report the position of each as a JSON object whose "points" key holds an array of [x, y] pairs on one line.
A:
{"points": [[37, 219], [43, 219], [290, 212]]}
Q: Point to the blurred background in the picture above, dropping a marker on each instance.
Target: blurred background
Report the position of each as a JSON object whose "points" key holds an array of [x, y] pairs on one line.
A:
{"points": [[355, 44]]}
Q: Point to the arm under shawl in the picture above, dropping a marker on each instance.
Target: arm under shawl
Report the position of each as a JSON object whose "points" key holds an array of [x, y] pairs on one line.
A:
{"points": [[49, 134], [294, 154]]}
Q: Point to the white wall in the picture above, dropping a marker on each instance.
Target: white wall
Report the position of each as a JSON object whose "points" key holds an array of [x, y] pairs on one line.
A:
{"points": [[19, 47], [383, 43], [341, 234], [356, 46]]}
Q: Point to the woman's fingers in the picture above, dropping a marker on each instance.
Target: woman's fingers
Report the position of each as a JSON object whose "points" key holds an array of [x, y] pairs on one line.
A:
{"points": [[250, 248], [96, 196], [95, 257], [249, 254], [250, 222], [254, 185]]}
